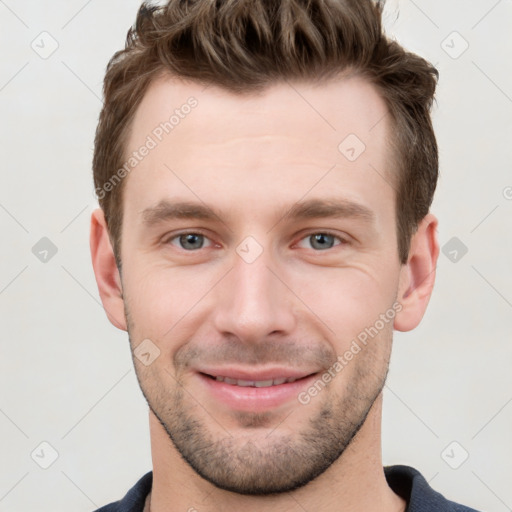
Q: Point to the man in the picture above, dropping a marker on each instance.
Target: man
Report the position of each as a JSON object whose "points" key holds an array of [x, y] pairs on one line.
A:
{"points": [[265, 171]]}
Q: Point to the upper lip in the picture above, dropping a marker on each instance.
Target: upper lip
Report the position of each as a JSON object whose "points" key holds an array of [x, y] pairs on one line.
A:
{"points": [[253, 374]]}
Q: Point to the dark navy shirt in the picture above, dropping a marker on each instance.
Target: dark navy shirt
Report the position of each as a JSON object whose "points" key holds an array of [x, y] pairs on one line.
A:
{"points": [[405, 481]]}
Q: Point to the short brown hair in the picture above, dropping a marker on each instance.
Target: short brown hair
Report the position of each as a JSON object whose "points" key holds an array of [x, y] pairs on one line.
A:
{"points": [[247, 45]]}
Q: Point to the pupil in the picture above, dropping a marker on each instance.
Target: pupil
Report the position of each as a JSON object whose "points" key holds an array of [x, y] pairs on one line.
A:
{"points": [[321, 239], [191, 239]]}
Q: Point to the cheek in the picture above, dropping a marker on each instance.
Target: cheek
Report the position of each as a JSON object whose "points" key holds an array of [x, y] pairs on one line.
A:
{"points": [[160, 299], [348, 300]]}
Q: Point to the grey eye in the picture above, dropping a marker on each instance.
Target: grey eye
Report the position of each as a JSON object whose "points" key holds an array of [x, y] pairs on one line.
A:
{"points": [[191, 241], [322, 241]]}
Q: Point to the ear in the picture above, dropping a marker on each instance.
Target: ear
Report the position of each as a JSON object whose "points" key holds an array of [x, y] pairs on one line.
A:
{"points": [[106, 271], [417, 276]]}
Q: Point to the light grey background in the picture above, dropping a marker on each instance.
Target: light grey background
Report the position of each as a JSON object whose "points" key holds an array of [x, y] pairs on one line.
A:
{"points": [[66, 375]]}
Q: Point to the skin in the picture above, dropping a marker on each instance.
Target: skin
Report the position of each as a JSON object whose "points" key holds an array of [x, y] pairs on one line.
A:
{"points": [[298, 305]]}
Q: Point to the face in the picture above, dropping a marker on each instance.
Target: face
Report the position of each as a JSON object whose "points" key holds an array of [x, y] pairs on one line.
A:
{"points": [[258, 248]]}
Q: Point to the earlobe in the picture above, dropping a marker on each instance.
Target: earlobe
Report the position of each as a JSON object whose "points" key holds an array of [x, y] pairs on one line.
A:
{"points": [[417, 276], [106, 271]]}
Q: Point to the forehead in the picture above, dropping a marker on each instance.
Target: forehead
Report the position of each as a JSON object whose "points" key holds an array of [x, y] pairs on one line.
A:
{"points": [[207, 140], [332, 107]]}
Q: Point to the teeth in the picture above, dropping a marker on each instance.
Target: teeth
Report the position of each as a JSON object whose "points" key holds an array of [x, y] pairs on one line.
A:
{"points": [[254, 383], [266, 383], [244, 383]]}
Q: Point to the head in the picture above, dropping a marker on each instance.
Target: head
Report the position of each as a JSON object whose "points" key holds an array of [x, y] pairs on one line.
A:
{"points": [[265, 172]]}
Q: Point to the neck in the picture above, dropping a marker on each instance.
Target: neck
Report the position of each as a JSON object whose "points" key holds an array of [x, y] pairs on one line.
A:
{"points": [[355, 482]]}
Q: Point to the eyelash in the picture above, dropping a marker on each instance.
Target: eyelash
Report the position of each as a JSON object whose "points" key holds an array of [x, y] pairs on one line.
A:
{"points": [[342, 241]]}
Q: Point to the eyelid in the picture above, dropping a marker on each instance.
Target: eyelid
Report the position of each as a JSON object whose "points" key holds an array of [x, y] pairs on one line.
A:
{"points": [[167, 239], [344, 240]]}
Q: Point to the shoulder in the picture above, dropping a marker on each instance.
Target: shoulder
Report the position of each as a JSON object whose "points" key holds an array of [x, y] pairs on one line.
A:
{"points": [[134, 499], [410, 484]]}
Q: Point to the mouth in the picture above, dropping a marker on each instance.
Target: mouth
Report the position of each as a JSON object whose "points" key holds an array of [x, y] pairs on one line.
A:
{"points": [[255, 383], [255, 391]]}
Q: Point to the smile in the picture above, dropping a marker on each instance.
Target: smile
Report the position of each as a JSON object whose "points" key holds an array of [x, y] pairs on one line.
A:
{"points": [[254, 391], [254, 383]]}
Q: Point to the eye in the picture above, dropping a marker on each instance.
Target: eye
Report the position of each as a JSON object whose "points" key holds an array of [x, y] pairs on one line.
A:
{"points": [[322, 240], [189, 241]]}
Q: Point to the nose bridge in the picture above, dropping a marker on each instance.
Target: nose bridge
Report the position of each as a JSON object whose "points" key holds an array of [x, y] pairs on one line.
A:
{"points": [[252, 302]]}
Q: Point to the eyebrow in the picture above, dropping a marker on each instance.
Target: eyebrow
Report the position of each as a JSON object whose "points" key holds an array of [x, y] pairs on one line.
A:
{"points": [[336, 208], [311, 209], [166, 210]]}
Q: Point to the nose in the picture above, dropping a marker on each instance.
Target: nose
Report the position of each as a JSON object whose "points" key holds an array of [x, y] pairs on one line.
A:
{"points": [[253, 302]]}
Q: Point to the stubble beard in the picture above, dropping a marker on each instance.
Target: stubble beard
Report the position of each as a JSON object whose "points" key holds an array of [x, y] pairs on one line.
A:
{"points": [[275, 462]]}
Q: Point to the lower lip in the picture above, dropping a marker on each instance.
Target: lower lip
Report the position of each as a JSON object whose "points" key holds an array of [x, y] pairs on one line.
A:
{"points": [[253, 399]]}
